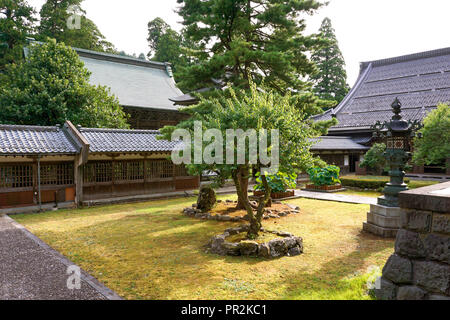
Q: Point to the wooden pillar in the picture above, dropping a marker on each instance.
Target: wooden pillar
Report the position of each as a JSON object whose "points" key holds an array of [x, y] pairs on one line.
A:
{"points": [[35, 181], [145, 174], [174, 174], [113, 176], [79, 179]]}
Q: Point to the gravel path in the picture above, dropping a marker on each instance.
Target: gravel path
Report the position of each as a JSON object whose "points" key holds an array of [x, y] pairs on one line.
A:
{"points": [[31, 270]]}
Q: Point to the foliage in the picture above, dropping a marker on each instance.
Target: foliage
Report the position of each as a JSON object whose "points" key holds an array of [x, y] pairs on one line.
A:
{"points": [[255, 110], [366, 182], [52, 86], [328, 176], [330, 82], [379, 182], [245, 41], [434, 146], [16, 24], [374, 158], [167, 45], [279, 182], [54, 16]]}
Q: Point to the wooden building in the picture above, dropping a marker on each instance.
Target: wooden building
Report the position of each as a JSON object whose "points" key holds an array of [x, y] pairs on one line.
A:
{"points": [[142, 87], [421, 81], [44, 167]]}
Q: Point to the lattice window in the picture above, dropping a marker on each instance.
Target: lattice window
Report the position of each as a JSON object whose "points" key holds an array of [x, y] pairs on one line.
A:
{"points": [[159, 169], [16, 176], [398, 143], [57, 174], [99, 171], [129, 170], [181, 171]]}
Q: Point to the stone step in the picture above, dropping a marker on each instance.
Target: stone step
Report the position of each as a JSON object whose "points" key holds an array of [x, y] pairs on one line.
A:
{"points": [[380, 231], [385, 211], [383, 221]]}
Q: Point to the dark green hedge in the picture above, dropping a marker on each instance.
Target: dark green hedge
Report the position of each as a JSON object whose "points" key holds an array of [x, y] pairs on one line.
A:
{"points": [[366, 183]]}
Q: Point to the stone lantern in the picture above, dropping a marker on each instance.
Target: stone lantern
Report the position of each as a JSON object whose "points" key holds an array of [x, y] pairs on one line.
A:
{"points": [[384, 218]]}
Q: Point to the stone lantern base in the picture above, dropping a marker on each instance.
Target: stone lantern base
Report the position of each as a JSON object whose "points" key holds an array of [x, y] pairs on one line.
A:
{"points": [[383, 221]]}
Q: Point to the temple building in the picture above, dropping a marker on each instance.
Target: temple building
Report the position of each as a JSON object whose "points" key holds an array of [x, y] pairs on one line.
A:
{"points": [[421, 81], [48, 167], [142, 87]]}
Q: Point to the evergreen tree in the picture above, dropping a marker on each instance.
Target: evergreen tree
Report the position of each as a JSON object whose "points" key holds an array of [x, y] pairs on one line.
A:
{"points": [[243, 40], [433, 145], [52, 86], [16, 24], [167, 45], [330, 82], [55, 15]]}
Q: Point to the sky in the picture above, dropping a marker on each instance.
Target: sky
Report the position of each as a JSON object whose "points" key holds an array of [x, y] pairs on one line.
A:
{"points": [[366, 29]]}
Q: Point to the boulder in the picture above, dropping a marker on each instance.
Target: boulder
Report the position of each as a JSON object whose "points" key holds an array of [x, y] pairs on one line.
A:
{"points": [[284, 234], [291, 242], [398, 269], [248, 248], [411, 293], [264, 250], [278, 248], [432, 276], [206, 199], [231, 249], [295, 251], [409, 244], [387, 290], [217, 244], [438, 248]]}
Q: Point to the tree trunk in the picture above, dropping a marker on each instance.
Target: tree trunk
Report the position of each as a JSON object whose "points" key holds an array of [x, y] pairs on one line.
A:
{"points": [[241, 177], [242, 193], [255, 221]]}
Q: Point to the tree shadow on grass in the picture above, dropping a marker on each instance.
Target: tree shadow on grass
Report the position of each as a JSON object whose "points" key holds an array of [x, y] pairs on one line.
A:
{"points": [[330, 279]]}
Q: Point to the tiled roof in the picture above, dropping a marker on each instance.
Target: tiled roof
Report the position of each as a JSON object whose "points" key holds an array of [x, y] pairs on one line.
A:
{"points": [[22, 140], [336, 143], [135, 82], [421, 81], [116, 140]]}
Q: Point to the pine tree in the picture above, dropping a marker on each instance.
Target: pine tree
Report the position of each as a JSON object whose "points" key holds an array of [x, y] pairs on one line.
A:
{"points": [[244, 40], [167, 45], [16, 24], [54, 17], [331, 79]]}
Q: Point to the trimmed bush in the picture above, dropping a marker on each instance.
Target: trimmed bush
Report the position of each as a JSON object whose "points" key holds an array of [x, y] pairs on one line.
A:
{"points": [[328, 176], [362, 183]]}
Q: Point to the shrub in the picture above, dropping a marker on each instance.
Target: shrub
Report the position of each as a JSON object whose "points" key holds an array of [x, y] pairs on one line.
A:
{"points": [[279, 182], [374, 158], [366, 183], [433, 147], [328, 176]]}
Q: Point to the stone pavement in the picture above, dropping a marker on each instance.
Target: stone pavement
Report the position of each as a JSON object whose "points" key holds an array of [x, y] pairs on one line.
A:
{"points": [[335, 197], [31, 270]]}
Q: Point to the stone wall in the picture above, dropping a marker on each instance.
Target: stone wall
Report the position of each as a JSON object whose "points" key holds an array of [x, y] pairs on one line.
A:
{"points": [[420, 267]]}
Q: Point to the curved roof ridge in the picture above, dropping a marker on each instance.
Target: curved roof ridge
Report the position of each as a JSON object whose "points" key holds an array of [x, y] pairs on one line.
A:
{"points": [[117, 130], [409, 57], [119, 57], [28, 127]]}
